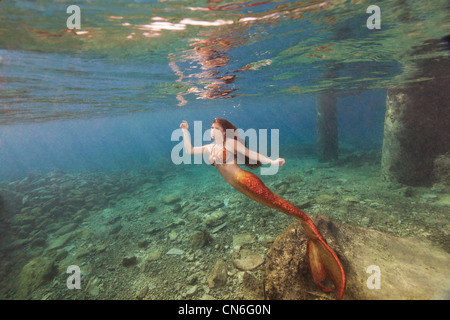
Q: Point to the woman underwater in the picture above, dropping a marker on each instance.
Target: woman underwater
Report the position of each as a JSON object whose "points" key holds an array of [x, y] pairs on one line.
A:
{"points": [[224, 153]]}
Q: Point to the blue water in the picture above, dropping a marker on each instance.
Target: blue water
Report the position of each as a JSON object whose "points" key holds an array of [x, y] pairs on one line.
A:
{"points": [[86, 119], [130, 141]]}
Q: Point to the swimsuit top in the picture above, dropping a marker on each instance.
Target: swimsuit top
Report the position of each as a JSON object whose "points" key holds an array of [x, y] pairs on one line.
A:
{"points": [[220, 158]]}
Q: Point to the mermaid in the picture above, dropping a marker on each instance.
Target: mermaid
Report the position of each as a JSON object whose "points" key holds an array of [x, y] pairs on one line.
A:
{"points": [[224, 154]]}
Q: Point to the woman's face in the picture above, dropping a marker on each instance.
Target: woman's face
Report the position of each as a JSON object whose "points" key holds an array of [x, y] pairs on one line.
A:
{"points": [[216, 131]]}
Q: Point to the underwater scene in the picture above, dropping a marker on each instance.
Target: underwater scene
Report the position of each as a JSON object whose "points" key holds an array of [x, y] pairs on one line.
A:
{"points": [[224, 150]]}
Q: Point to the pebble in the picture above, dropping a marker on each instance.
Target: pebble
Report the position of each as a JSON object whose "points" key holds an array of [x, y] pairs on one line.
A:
{"points": [[218, 275], [351, 199], [429, 197], [129, 261], [304, 204], [325, 199], [175, 251], [365, 221], [142, 293], [241, 239], [59, 242], [143, 244], [218, 228], [173, 236], [200, 239], [170, 199], [214, 219], [191, 291], [247, 260], [115, 228], [154, 255]]}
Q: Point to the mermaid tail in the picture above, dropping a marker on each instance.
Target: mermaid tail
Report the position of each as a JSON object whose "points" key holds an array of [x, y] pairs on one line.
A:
{"points": [[323, 261]]}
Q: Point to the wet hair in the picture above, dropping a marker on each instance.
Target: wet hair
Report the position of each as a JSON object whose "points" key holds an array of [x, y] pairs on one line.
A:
{"points": [[227, 125]]}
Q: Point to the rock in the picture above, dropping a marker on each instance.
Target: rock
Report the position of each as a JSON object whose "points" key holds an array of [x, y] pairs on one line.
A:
{"points": [[219, 227], [116, 227], [444, 200], [142, 293], [113, 219], [253, 289], [129, 261], [240, 239], [192, 279], [175, 251], [304, 204], [153, 230], [23, 219], [59, 242], [149, 208], [35, 273], [191, 291], [267, 243], [365, 221], [325, 199], [82, 212], [441, 169], [65, 229], [16, 245], [439, 188], [170, 199], [215, 205], [214, 219], [410, 268], [154, 255], [38, 242], [247, 260], [93, 287], [407, 192], [26, 229], [218, 276], [200, 239], [351, 199], [143, 244], [62, 254], [173, 236], [427, 197], [81, 252]]}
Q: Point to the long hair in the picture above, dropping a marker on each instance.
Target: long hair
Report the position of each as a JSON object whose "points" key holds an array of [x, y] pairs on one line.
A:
{"points": [[227, 125]]}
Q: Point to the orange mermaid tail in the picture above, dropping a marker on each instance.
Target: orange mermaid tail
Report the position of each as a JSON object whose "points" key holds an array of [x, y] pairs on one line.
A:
{"points": [[323, 261]]}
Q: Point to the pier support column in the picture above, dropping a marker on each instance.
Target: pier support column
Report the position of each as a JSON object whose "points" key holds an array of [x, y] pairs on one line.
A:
{"points": [[417, 126], [327, 127]]}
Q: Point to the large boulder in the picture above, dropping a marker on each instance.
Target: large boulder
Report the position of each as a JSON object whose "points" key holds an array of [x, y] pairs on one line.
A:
{"points": [[408, 268], [37, 272]]}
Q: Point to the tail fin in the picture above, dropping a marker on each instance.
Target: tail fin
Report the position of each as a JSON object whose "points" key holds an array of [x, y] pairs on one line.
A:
{"points": [[322, 259], [324, 262]]}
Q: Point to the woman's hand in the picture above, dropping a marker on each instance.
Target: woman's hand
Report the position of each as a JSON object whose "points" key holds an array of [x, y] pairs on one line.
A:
{"points": [[184, 125], [278, 162]]}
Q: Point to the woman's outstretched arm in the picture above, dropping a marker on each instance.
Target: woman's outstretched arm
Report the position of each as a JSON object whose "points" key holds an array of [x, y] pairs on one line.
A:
{"points": [[255, 156], [187, 141]]}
